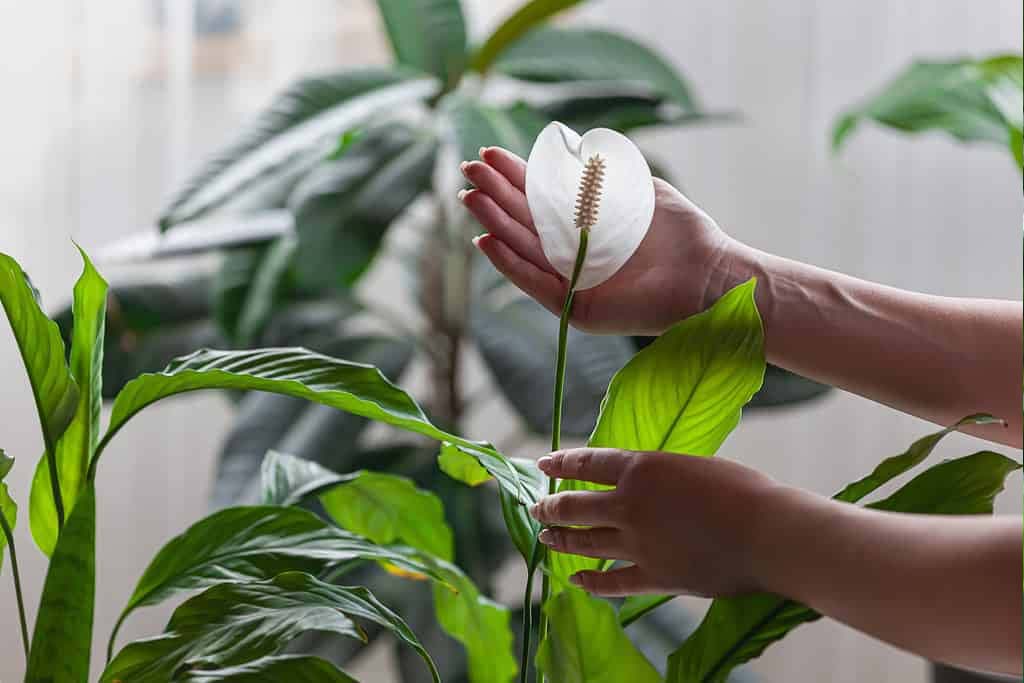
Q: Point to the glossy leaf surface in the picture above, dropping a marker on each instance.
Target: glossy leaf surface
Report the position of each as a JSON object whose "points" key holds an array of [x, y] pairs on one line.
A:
{"points": [[234, 623], [77, 444]]}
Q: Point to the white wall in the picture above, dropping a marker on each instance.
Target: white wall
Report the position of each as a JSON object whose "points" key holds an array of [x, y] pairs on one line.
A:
{"points": [[100, 118]]}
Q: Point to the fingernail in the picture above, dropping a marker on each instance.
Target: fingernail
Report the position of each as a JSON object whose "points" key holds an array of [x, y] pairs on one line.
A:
{"points": [[576, 580], [463, 166], [462, 194], [476, 241], [546, 537], [544, 462], [481, 152]]}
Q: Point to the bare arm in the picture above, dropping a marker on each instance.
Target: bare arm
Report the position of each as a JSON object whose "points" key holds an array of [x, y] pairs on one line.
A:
{"points": [[935, 357], [947, 588]]}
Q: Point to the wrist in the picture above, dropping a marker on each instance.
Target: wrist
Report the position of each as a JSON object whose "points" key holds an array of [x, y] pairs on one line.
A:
{"points": [[730, 263]]}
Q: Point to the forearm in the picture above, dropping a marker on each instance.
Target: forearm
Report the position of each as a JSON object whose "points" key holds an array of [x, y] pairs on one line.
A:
{"points": [[935, 357], [947, 588]]}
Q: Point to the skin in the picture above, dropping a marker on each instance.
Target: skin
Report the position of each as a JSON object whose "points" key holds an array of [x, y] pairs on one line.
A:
{"points": [[947, 589]]}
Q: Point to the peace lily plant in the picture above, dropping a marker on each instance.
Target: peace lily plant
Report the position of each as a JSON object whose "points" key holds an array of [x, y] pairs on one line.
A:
{"points": [[252, 578]]}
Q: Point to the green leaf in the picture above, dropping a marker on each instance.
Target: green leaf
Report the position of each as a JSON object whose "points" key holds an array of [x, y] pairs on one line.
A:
{"points": [[463, 467], [257, 542], [586, 644], [890, 468], [511, 477], [250, 284], [6, 463], [684, 393], [386, 508], [286, 480], [518, 342], [9, 511], [557, 54], [522, 529], [289, 136], [347, 139], [62, 638], [266, 422], [352, 387], [344, 207], [429, 35], [481, 625], [636, 606], [974, 101], [736, 630], [623, 107], [291, 668], [471, 125], [514, 27], [78, 443], [234, 623], [42, 352]]}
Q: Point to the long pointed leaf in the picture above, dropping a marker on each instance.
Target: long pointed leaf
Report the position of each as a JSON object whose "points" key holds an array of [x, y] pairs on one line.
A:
{"points": [[62, 639], [291, 668], [78, 443], [286, 480], [515, 27], [234, 623], [429, 35], [298, 122]]}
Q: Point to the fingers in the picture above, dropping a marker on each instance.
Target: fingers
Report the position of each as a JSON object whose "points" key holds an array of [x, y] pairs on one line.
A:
{"points": [[599, 465], [581, 508], [614, 583], [507, 229], [543, 286], [498, 188], [602, 543], [507, 164]]}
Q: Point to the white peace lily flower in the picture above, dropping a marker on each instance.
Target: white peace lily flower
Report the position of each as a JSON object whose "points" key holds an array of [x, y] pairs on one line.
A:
{"points": [[619, 212]]}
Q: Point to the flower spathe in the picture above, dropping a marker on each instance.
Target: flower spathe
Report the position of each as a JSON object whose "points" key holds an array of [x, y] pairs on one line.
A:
{"points": [[625, 207]]}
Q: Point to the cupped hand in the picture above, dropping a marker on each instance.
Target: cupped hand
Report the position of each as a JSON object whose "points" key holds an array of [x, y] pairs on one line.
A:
{"points": [[664, 281], [688, 525]]}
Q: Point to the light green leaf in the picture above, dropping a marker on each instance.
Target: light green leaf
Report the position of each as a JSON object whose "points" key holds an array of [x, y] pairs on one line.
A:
{"points": [[736, 630], [234, 623], [294, 132], [291, 668], [62, 638], [684, 393], [387, 508], [259, 542], [974, 101], [347, 139], [461, 466], [78, 443], [429, 35], [586, 644], [522, 529], [636, 606], [512, 477], [481, 625], [344, 208], [355, 388], [6, 463], [42, 352], [524, 19], [9, 511], [286, 480], [557, 54], [250, 284]]}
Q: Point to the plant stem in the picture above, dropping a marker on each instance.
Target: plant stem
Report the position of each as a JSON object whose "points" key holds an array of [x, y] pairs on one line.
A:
{"points": [[556, 417], [524, 660], [58, 500], [17, 582]]}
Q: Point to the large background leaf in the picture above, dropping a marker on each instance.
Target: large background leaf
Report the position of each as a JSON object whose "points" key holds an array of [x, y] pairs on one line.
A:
{"points": [[521, 21], [291, 134], [291, 668], [427, 34], [77, 444], [974, 101], [554, 55], [62, 639], [344, 207], [736, 630], [236, 623]]}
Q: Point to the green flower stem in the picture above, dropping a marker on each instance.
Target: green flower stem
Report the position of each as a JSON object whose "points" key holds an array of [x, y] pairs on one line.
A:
{"points": [[556, 418], [17, 582], [524, 660]]}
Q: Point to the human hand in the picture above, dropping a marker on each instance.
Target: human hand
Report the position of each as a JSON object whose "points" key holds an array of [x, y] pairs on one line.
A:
{"points": [[689, 525], [665, 280]]}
